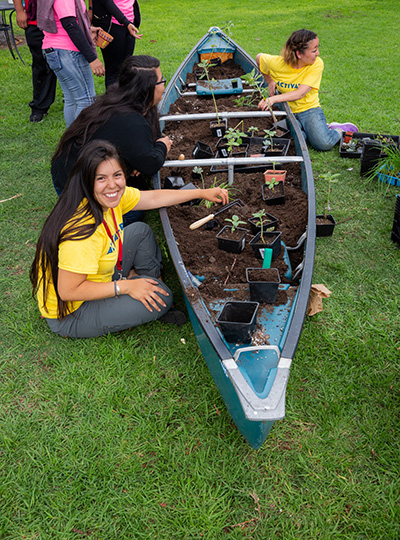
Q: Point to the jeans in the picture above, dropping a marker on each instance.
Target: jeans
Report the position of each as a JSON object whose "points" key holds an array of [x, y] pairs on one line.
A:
{"points": [[315, 130], [99, 317], [76, 80]]}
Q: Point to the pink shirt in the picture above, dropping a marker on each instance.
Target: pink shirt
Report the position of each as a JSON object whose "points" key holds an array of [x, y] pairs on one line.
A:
{"points": [[61, 40], [126, 7]]}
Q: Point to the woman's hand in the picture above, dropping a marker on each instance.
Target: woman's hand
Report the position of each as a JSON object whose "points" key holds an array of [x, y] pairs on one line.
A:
{"points": [[97, 68], [217, 195], [167, 141], [145, 290], [134, 31], [266, 104]]}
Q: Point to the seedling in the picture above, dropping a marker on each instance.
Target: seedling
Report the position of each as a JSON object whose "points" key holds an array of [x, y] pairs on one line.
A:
{"points": [[234, 137], [206, 64], [235, 222], [260, 215], [331, 180], [252, 130], [272, 183], [268, 138], [255, 81], [199, 170]]}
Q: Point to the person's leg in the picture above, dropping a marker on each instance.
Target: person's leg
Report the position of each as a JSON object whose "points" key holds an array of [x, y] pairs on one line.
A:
{"points": [[76, 80], [115, 53], [43, 79], [318, 135], [100, 317]]}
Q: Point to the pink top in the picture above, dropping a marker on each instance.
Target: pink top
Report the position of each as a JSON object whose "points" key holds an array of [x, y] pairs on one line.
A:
{"points": [[126, 7], [61, 40]]}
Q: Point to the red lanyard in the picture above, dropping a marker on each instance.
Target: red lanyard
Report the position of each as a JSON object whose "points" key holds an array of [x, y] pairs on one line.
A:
{"points": [[110, 236]]}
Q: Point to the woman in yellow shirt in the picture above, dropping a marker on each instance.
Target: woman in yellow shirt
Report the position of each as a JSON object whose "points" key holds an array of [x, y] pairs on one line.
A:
{"points": [[92, 276], [296, 74]]}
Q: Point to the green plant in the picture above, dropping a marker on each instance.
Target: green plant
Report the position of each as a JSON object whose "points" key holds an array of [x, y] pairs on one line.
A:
{"points": [[256, 81], [235, 222], [268, 138], [252, 130], [260, 215], [233, 137], [272, 183], [199, 170], [205, 65], [330, 178]]}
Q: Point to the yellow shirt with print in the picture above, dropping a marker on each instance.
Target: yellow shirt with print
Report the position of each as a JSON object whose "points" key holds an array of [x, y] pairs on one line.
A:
{"points": [[288, 79], [95, 256]]}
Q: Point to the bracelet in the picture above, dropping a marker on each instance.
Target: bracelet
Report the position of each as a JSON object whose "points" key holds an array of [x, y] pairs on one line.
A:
{"points": [[117, 290]]}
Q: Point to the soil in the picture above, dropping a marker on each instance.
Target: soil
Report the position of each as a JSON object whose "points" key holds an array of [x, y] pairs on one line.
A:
{"points": [[199, 247]]}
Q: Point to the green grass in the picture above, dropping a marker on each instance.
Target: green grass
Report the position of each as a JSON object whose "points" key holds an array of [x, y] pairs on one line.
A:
{"points": [[126, 436]]}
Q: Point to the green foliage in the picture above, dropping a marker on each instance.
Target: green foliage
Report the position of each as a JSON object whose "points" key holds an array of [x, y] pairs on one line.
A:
{"points": [[268, 138], [205, 65], [260, 215], [235, 222]]}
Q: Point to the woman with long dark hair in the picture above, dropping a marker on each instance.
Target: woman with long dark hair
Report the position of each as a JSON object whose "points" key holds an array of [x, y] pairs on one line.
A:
{"points": [[91, 275], [296, 74], [126, 115]]}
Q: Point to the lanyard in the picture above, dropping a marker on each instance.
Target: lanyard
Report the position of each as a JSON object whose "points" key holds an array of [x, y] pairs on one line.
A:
{"points": [[110, 236]]}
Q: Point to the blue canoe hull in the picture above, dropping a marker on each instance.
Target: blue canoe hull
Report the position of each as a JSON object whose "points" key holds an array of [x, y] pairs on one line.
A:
{"points": [[251, 380]]}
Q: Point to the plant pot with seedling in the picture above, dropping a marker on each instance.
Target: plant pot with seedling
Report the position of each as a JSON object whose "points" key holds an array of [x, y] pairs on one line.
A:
{"points": [[232, 238], [238, 321], [325, 223], [219, 127], [270, 240], [263, 284], [273, 192], [261, 221]]}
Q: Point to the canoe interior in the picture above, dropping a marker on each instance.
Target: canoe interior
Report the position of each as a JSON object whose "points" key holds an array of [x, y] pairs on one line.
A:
{"points": [[251, 379]]}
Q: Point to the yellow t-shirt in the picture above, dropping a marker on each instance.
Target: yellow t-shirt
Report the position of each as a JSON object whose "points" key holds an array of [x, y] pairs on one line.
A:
{"points": [[288, 79], [95, 256]]}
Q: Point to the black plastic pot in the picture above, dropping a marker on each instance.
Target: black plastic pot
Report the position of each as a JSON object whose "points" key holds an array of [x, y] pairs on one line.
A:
{"points": [[275, 195], [230, 244], [325, 229], [370, 156], [280, 147], [202, 151], [270, 223], [272, 240], [174, 182], [283, 128], [263, 284], [238, 321], [218, 129], [396, 222]]}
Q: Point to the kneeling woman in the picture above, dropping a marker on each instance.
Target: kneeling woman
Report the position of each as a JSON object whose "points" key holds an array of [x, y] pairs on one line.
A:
{"points": [[297, 74], [93, 277]]}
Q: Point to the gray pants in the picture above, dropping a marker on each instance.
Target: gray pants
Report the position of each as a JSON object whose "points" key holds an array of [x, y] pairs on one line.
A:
{"points": [[98, 317]]}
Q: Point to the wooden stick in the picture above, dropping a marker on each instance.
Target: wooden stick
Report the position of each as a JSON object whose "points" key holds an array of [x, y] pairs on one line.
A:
{"points": [[13, 197], [229, 271]]}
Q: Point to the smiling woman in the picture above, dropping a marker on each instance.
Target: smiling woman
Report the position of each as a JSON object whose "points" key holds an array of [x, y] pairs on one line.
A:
{"points": [[92, 276], [296, 74]]}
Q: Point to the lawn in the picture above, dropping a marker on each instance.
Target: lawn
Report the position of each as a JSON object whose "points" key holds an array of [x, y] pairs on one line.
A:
{"points": [[126, 436]]}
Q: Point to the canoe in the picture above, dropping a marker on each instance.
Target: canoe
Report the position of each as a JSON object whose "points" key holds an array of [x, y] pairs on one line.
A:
{"points": [[251, 378]]}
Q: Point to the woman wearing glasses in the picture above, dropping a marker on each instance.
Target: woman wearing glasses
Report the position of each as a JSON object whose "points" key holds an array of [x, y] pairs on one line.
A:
{"points": [[127, 116]]}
